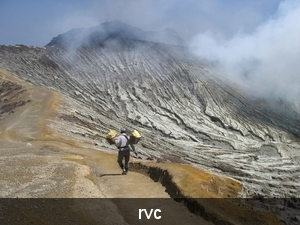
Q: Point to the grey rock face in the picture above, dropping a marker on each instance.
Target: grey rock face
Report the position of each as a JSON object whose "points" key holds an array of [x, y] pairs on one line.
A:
{"points": [[184, 112]]}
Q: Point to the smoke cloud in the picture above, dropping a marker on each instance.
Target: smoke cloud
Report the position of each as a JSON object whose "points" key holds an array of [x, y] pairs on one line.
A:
{"points": [[266, 62]]}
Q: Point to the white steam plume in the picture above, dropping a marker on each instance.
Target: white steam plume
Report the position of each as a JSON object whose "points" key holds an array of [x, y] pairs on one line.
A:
{"points": [[267, 62]]}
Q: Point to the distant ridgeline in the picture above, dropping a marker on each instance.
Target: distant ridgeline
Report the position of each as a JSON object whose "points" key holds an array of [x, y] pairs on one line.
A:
{"points": [[98, 35]]}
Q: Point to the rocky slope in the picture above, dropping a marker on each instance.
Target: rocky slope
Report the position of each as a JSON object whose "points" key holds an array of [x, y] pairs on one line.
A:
{"points": [[184, 111], [52, 175]]}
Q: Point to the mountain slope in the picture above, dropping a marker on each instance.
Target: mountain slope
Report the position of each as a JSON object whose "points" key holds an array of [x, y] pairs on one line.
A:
{"points": [[184, 111]]}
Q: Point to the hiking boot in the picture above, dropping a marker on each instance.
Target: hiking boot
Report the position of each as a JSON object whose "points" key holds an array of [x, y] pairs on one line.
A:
{"points": [[124, 172]]}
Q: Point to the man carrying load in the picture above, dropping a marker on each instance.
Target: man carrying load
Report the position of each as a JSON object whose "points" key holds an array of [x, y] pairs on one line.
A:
{"points": [[123, 141]]}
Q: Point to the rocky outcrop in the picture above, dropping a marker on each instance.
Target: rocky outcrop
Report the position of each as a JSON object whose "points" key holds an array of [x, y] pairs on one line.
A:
{"points": [[183, 110]]}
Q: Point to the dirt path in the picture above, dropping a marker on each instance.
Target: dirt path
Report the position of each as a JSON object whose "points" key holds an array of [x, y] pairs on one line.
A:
{"points": [[23, 138], [26, 123]]}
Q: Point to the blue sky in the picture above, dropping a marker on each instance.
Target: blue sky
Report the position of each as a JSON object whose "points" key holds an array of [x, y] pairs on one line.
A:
{"points": [[35, 22]]}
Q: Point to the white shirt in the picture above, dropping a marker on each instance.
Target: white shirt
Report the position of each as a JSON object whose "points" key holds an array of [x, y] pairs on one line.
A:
{"points": [[122, 141]]}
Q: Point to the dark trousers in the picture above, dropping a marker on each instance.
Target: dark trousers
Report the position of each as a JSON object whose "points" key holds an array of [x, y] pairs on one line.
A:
{"points": [[124, 154]]}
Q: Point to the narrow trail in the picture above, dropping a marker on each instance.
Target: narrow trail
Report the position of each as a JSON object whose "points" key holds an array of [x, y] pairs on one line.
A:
{"points": [[132, 185], [26, 123]]}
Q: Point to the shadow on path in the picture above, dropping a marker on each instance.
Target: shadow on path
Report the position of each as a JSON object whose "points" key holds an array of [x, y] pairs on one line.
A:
{"points": [[110, 174]]}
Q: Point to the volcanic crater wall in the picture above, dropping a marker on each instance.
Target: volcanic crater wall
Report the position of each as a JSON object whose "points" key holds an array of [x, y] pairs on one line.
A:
{"points": [[184, 112]]}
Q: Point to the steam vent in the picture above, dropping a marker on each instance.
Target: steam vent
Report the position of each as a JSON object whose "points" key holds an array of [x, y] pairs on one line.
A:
{"points": [[209, 153]]}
